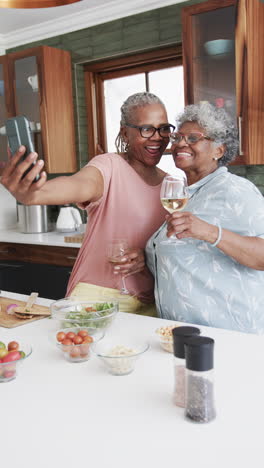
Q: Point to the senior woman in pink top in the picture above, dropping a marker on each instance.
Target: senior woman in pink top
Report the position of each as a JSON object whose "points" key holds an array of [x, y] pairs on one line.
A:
{"points": [[120, 192]]}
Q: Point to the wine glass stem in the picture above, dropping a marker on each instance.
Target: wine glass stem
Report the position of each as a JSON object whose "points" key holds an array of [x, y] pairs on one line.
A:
{"points": [[124, 289]]}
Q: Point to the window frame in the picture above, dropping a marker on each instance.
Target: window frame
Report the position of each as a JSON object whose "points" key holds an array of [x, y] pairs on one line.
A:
{"points": [[97, 72]]}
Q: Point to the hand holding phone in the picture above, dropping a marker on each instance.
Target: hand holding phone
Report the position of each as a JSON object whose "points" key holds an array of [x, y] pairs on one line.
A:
{"points": [[19, 133]]}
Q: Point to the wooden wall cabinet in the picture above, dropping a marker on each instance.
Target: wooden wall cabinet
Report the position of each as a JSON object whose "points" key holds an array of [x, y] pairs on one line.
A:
{"points": [[37, 83], [231, 77]]}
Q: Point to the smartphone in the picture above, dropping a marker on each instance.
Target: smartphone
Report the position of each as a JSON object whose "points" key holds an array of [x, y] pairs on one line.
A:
{"points": [[19, 133]]}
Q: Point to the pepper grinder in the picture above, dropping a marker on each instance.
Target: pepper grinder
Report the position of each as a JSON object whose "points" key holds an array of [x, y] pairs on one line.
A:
{"points": [[199, 356], [180, 335]]}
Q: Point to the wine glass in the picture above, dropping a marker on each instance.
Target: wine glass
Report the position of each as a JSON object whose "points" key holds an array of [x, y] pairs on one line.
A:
{"points": [[174, 195], [117, 248]]}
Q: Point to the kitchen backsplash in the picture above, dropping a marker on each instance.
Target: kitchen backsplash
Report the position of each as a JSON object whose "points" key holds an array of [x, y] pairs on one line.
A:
{"points": [[152, 29]]}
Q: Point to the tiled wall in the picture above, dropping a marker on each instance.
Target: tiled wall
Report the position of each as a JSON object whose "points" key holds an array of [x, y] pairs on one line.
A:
{"points": [[156, 28]]}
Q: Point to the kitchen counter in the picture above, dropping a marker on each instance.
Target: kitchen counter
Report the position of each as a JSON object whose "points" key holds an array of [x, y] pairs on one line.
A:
{"points": [[52, 238], [62, 414]]}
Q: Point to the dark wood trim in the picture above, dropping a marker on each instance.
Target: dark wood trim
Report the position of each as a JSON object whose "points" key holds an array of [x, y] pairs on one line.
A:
{"points": [[207, 6], [140, 69], [101, 124], [187, 47], [33, 253], [132, 60], [91, 111]]}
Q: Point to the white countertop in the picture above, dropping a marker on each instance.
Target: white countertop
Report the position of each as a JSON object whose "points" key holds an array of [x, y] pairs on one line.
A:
{"points": [[52, 238], [60, 414]]}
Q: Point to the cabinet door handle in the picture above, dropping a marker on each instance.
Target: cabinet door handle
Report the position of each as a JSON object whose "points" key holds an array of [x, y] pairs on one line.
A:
{"points": [[71, 258], [4, 251], [240, 135]]}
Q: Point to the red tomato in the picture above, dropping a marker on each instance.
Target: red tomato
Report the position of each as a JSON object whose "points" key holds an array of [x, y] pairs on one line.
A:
{"points": [[88, 339], [11, 356], [84, 349], [70, 335], [77, 339], [67, 342], [12, 346], [67, 345], [60, 336], [83, 333], [75, 352]]}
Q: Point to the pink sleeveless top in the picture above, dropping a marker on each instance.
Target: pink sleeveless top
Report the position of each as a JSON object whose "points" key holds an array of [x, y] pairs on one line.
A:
{"points": [[129, 208]]}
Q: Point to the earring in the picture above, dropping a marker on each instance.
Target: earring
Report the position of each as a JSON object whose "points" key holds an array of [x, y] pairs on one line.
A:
{"points": [[123, 145], [215, 159]]}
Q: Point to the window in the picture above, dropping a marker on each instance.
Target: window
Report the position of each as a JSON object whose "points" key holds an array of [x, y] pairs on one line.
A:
{"points": [[109, 83]]}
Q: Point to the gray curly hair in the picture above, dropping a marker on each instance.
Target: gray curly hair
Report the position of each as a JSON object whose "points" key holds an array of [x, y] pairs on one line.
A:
{"points": [[218, 125], [127, 109]]}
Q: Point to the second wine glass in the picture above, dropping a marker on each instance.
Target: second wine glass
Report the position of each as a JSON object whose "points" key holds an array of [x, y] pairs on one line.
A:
{"points": [[174, 195], [117, 248]]}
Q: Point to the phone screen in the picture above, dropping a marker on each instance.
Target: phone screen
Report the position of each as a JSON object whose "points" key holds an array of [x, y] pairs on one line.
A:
{"points": [[19, 133]]}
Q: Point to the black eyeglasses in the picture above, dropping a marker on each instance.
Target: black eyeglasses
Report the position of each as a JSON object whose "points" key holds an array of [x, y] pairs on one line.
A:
{"points": [[190, 138], [147, 131]]}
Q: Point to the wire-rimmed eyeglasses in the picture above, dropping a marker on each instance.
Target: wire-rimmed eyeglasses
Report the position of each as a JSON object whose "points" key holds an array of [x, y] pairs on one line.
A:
{"points": [[190, 138], [147, 131]]}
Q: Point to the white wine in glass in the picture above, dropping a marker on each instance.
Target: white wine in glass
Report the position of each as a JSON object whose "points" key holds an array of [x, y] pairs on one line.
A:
{"points": [[117, 248], [174, 196], [174, 204]]}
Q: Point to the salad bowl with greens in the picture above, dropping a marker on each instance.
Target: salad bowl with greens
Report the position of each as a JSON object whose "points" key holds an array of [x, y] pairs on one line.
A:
{"points": [[71, 312]]}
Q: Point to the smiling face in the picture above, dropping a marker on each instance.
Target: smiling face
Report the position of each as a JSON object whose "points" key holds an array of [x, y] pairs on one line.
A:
{"points": [[196, 160], [146, 151]]}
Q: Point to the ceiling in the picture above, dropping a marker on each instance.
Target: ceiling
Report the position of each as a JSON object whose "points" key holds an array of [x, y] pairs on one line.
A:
{"points": [[21, 26]]}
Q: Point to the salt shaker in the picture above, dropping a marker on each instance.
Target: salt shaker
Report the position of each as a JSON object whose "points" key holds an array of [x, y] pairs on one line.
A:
{"points": [[180, 334], [199, 356]]}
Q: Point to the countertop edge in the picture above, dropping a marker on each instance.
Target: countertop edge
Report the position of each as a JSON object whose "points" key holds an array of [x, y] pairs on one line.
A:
{"points": [[52, 238]]}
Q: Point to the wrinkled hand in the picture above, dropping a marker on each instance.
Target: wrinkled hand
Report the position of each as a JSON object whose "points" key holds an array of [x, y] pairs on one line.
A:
{"points": [[185, 224], [23, 189], [132, 262]]}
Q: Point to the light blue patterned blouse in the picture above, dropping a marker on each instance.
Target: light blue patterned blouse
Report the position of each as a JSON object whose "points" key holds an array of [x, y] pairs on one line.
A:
{"points": [[198, 283]]}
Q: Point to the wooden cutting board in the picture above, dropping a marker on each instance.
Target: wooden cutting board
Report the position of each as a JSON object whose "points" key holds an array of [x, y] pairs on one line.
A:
{"points": [[77, 238], [11, 321]]}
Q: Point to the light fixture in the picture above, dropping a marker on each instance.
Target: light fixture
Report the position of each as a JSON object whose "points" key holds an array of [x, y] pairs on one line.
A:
{"points": [[35, 3]]}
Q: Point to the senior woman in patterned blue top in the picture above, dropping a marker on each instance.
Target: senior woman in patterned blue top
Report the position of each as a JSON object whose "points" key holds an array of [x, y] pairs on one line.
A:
{"points": [[214, 273]]}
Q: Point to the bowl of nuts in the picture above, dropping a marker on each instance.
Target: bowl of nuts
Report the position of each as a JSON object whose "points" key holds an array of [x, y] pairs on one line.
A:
{"points": [[165, 337], [119, 359]]}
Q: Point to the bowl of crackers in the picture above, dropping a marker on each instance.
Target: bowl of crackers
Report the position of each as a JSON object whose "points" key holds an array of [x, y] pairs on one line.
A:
{"points": [[165, 337]]}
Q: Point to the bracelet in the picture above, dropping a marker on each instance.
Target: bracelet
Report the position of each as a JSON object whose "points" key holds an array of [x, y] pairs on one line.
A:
{"points": [[219, 236]]}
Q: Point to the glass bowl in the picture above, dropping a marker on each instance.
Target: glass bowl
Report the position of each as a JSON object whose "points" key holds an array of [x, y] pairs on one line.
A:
{"points": [[71, 312], [8, 370], [165, 338], [219, 46], [74, 351], [119, 356]]}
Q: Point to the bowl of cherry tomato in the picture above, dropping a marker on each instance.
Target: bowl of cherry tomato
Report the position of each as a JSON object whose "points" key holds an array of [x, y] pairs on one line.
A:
{"points": [[12, 354], [74, 343]]}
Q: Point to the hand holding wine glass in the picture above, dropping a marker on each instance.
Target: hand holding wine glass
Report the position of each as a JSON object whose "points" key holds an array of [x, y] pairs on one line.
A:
{"points": [[174, 195]]}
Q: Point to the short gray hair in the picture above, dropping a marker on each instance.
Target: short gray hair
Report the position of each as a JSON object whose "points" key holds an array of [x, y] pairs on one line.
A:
{"points": [[218, 125], [127, 109]]}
